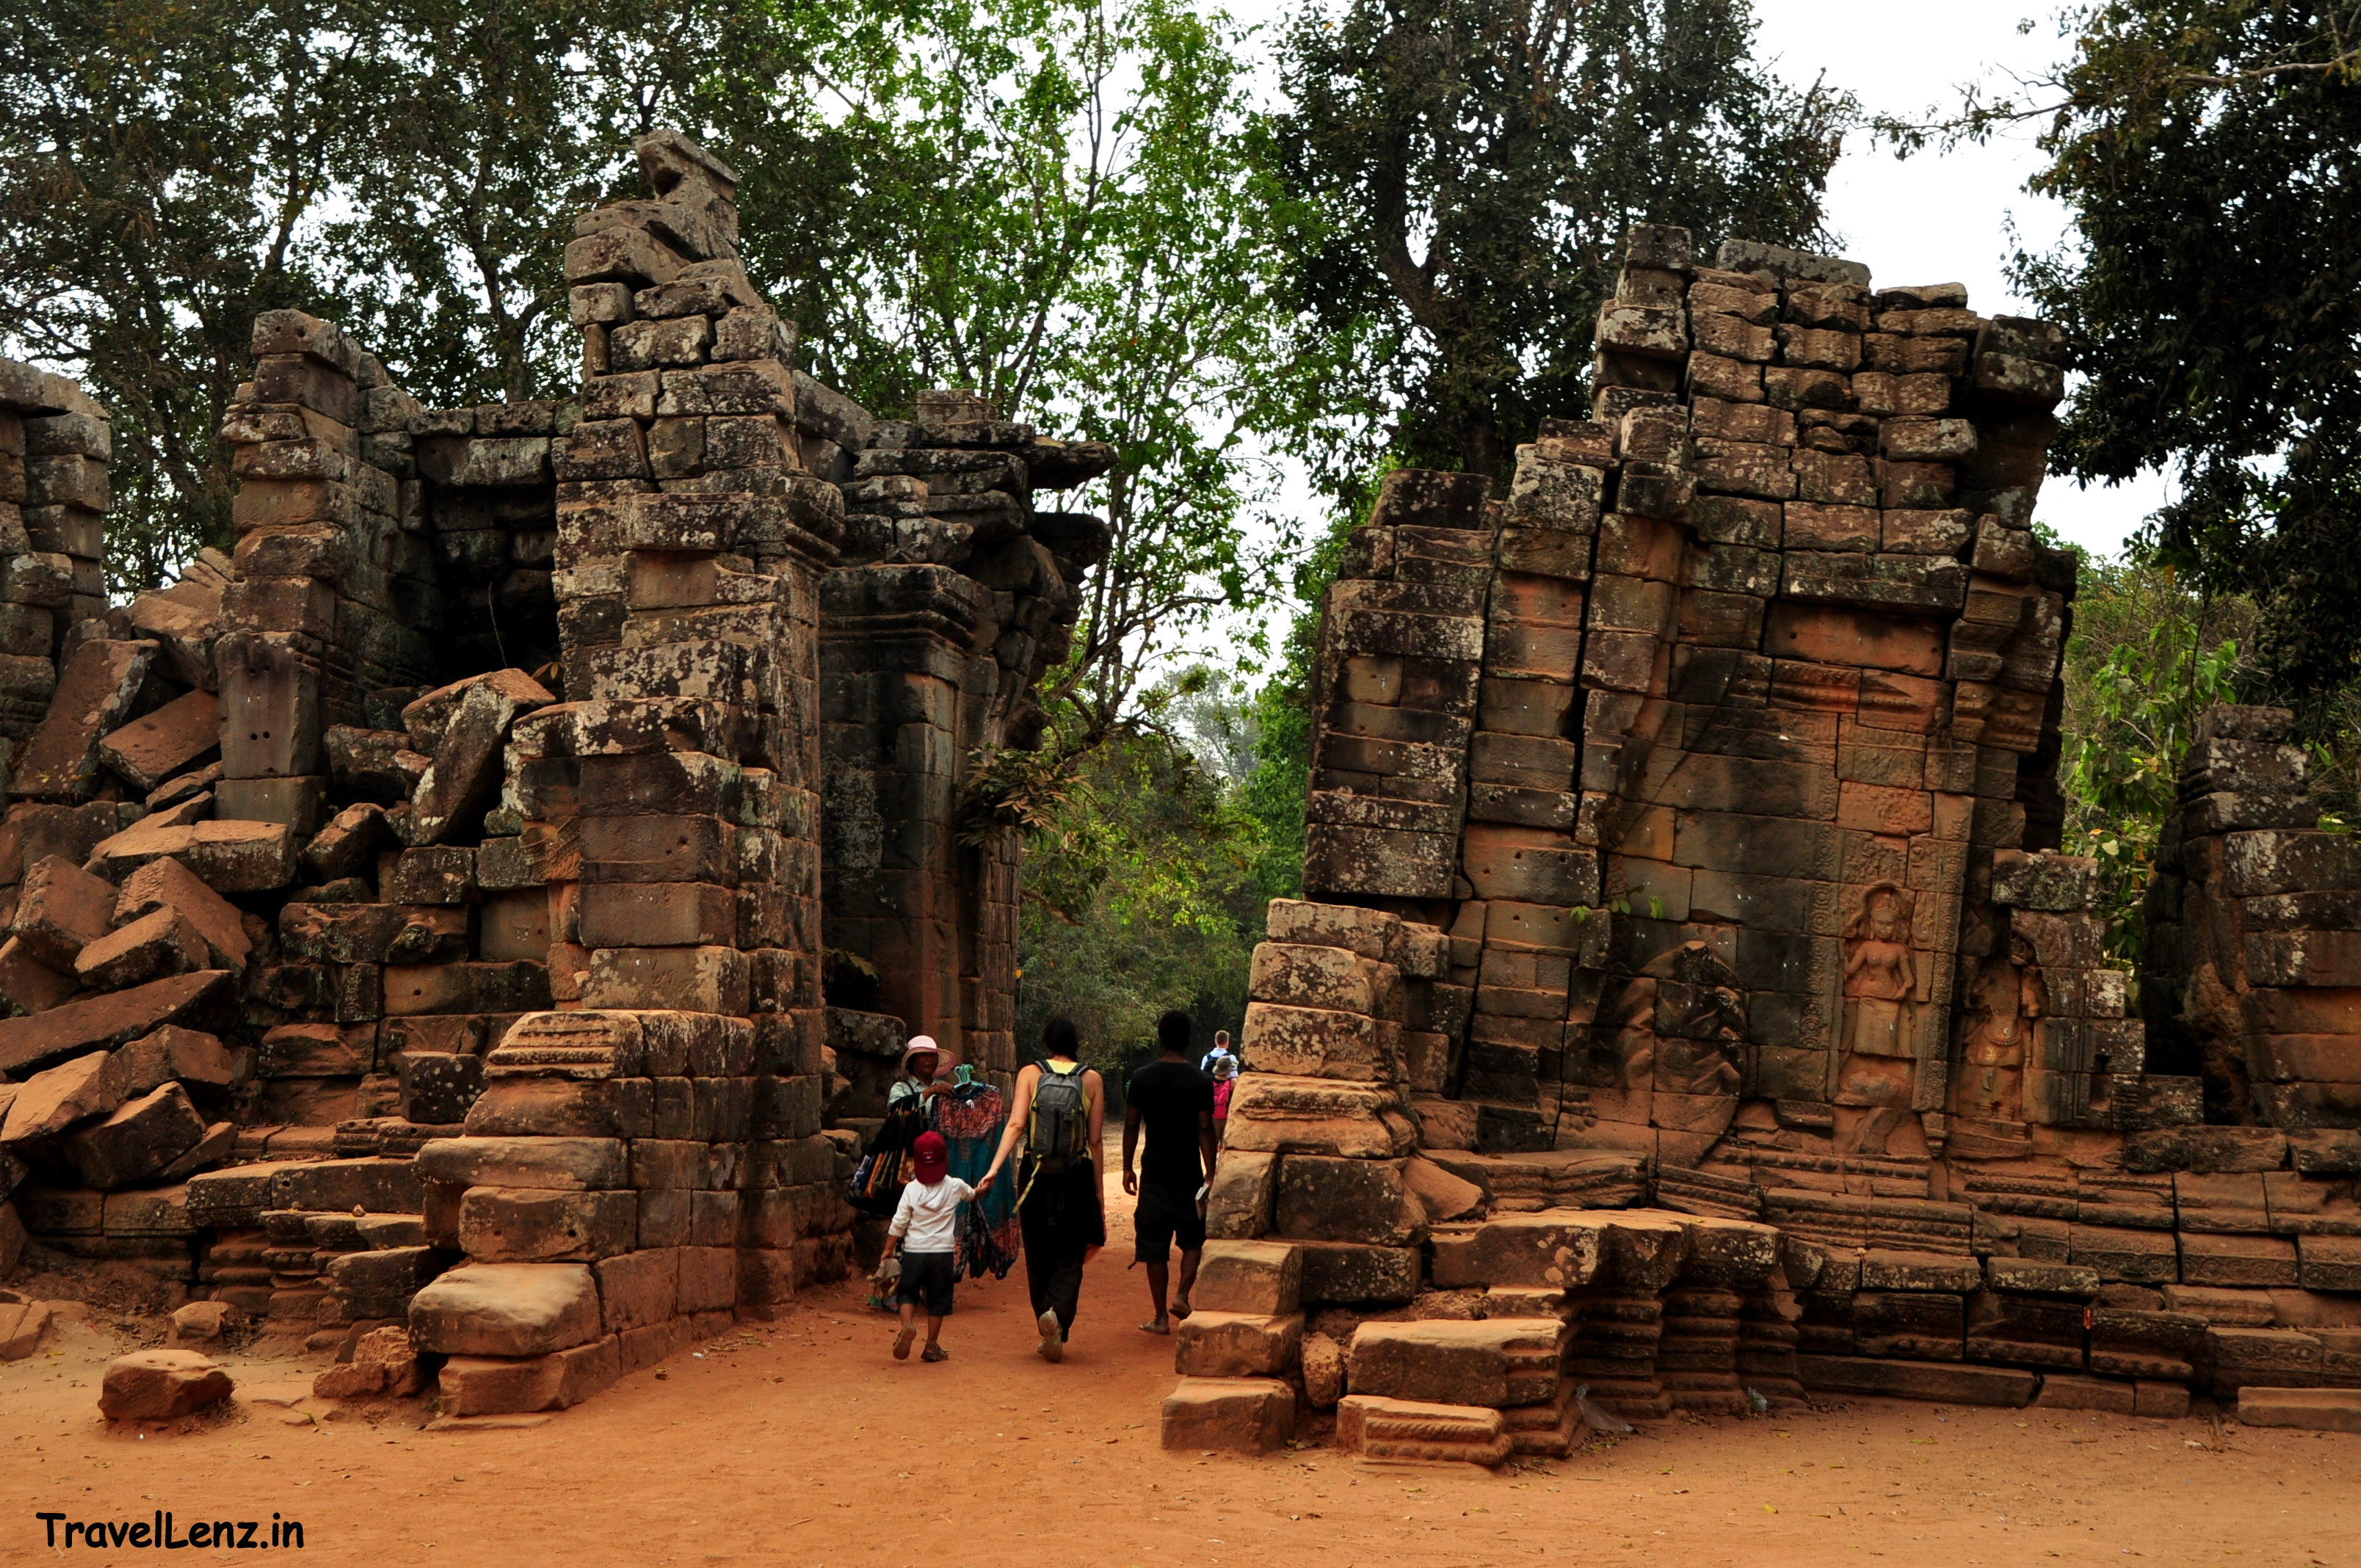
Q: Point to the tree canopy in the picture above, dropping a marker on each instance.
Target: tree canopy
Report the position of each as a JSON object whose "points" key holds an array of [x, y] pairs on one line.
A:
{"points": [[2211, 287], [1474, 165]]}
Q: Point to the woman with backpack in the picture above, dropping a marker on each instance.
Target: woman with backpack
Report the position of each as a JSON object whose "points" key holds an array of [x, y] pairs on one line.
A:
{"points": [[1056, 1116]]}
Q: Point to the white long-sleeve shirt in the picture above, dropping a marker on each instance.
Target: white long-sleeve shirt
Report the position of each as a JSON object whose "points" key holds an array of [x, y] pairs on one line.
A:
{"points": [[928, 1217]]}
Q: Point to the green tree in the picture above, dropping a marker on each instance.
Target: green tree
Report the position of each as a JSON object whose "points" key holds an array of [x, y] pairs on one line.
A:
{"points": [[2148, 656], [1143, 889], [2211, 290], [1475, 164]]}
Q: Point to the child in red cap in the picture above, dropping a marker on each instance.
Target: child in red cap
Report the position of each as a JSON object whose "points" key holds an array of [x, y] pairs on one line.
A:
{"points": [[926, 1224]]}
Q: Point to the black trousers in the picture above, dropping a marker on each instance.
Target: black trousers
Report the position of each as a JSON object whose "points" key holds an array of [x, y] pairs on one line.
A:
{"points": [[1061, 1220]]}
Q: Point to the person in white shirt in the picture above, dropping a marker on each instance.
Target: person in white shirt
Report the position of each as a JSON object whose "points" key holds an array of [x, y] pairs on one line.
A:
{"points": [[927, 1226], [1211, 1065]]}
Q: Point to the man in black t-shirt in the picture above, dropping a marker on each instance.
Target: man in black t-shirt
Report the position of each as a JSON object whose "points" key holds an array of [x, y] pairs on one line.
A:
{"points": [[1174, 1102]]}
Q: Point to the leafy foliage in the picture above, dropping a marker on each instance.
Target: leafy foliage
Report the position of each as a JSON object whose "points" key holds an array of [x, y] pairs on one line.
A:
{"points": [[1154, 897], [2148, 657], [1475, 164], [2211, 291]]}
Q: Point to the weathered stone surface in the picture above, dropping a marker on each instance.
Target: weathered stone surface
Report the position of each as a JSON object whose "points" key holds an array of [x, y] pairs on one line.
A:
{"points": [[228, 857], [50, 1103], [194, 1000], [1209, 1344], [1494, 1362], [154, 747], [161, 1385], [61, 909], [95, 688], [506, 1310], [165, 884], [2308, 1409], [1950, 1382], [138, 1140], [1229, 1415], [1254, 1276], [1554, 1249], [1380, 1428]]}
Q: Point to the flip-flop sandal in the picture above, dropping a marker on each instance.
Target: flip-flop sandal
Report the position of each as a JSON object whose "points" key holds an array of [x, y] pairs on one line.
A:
{"points": [[1180, 1308], [1153, 1329], [933, 1353], [902, 1344]]}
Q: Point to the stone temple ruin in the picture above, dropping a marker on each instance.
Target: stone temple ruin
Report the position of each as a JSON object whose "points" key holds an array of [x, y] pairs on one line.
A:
{"points": [[519, 775], [1690, 1004], [418, 918]]}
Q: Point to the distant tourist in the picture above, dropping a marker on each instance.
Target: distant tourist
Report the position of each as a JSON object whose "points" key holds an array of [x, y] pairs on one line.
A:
{"points": [[1211, 1063], [1225, 1081], [1173, 1103], [927, 1226], [1057, 1116]]}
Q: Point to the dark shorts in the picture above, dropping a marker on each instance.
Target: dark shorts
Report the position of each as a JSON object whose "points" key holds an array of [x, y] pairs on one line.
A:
{"points": [[1167, 1214], [927, 1280]]}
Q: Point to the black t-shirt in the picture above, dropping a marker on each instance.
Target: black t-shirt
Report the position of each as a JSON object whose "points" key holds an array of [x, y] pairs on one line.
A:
{"points": [[1169, 1096]]}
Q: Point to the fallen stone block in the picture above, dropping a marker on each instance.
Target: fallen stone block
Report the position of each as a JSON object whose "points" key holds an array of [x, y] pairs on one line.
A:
{"points": [[2308, 1409], [1442, 1194], [174, 1054], [1238, 1344], [21, 1324], [137, 1141], [1229, 1415], [384, 1366], [114, 1019], [1492, 1361], [168, 885], [506, 1310], [50, 1103], [466, 772], [151, 948], [153, 748], [95, 688], [227, 856], [2060, 1391], [200, 1323], [1249, 1277], [1953, 1383], [1379, 1428], [27, 985], [61, 909], [161, 1385]]}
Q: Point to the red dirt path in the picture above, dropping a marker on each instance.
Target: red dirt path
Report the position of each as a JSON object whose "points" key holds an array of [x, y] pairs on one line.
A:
{"points": [[802, 1442]]}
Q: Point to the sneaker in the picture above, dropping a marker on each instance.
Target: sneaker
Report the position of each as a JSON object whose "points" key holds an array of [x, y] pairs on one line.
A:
{"points": [[1053, 1338], [902, 1343], [933, 1353]]}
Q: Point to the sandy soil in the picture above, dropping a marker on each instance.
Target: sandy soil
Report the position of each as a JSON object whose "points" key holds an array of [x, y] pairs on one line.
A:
{"points": [[802, 1441]]}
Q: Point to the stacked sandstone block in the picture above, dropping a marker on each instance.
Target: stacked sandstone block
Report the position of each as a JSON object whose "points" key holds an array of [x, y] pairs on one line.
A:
{"points": [[952, 595], [327, 570], [2253, 969], [55, 447]]}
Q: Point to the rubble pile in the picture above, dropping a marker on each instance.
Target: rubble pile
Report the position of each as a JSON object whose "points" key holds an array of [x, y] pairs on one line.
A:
{"points": [[440, 916], [1683, 834]]}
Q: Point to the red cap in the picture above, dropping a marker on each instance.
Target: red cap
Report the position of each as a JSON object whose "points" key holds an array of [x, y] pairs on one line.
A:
{"points": [[931, 1156]]}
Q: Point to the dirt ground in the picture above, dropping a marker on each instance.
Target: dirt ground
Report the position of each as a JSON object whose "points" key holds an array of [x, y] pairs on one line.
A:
{"points": [[802, 1441]]}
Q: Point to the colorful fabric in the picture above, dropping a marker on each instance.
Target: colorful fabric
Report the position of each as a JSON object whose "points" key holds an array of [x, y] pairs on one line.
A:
{"points": [[971, 1119]]}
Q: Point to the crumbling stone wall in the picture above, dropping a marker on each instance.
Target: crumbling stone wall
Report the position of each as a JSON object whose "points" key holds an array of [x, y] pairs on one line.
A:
{"points": [[1759, 1038], [416, 917]]}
